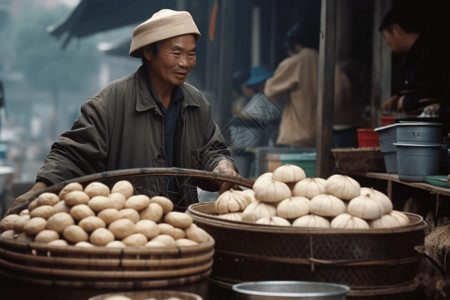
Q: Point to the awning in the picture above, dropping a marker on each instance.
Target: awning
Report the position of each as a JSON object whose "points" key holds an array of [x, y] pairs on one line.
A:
{"points": [[93, 16]]}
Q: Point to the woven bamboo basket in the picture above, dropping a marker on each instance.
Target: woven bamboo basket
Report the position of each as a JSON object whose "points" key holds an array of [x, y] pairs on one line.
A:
{"points": [[365, 159], [157, 294], [109, 269], [111, 177], [103, 267], [374, 259]]}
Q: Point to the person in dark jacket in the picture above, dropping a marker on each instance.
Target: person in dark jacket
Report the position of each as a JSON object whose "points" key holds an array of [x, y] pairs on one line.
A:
{"points": [[444, 111], [151, 118], [422, 73]]}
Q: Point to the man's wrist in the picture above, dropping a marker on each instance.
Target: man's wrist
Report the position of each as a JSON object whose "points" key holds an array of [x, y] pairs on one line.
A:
{"points": [[39, 186]]}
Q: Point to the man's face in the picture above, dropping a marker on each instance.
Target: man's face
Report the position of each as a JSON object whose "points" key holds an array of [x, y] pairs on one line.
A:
{"points": [[176, 58], [395, 39]]}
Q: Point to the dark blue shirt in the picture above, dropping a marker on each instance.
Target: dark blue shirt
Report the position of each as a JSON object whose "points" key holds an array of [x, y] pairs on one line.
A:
{"points": [[170, 118]]}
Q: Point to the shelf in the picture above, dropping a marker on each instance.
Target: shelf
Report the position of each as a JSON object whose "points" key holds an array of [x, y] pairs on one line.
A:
{"points": [[394, 178], [399, 191]]}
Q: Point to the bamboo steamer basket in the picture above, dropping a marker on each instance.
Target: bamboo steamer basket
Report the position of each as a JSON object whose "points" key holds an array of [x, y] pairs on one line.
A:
{"points": [[102, 267], [158, 294], [375, 261], [69, 270]]}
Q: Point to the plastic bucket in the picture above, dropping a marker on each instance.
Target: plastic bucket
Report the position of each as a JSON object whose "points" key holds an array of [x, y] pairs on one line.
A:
{"points": [[367, 137], [414, 161], [387, 120], [419, 132], [388, 136], [267, 159], [307, 161], [271, 290], [390, 162]]}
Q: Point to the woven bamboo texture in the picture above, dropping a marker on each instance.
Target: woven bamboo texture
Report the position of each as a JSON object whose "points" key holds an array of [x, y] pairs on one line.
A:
{"points": [[104, 267], [111, 268], [361, 259], [365, 159]]}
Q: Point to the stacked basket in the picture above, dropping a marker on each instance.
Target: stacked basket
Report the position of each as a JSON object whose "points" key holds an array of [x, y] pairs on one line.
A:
{"points": [[77, 272], [105, 268]]}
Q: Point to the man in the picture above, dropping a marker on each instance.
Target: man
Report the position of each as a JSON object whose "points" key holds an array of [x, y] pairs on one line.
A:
{"points": [[422, 72], [151, 118], [297, 75], [444, 111]]}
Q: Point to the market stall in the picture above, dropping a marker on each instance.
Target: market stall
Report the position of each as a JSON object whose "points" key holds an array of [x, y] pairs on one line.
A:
{"points": [[373, 247], [266, 236]]}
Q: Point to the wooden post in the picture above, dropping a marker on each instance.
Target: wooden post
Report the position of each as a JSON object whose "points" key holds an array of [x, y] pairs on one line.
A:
{"points": [[381, 63], [226, 55], [325, 106]]}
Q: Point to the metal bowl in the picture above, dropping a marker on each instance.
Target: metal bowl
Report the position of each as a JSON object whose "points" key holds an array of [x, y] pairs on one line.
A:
{"points": [[292, 290]]}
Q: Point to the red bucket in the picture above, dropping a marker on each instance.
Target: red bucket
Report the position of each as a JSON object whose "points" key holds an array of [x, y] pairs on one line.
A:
{"points": [[367, 137], [387, 120]]}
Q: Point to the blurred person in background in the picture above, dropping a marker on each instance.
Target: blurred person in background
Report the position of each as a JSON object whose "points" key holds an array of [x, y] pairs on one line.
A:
{"points": [[150, 118], [423, 71], [297, 75], [240, 93], [246, 86], [444, 112], [258, 77]]}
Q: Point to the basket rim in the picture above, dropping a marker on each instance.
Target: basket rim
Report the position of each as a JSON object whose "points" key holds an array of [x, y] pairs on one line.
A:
{"points": [[149, 293], [138, 172], [108, 274], [48, 258], [197, 211], [356, 149], [170, 171], [103, 250]]}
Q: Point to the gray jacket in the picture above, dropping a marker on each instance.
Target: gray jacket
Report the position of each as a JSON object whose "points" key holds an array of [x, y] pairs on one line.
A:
{"points": [[121, 127]]}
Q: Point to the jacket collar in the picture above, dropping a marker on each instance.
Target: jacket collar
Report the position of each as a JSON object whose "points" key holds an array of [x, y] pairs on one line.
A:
{"points": [[145, 100]]}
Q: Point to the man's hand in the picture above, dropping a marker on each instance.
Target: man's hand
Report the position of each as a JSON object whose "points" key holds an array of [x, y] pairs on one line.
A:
{"points": [[391, 104], [225, 167], [431, 110], [400, 103], [39, 186]]}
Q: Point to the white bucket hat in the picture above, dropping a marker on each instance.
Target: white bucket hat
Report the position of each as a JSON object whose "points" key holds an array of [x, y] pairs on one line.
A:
{"points": [[164, 24]]}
